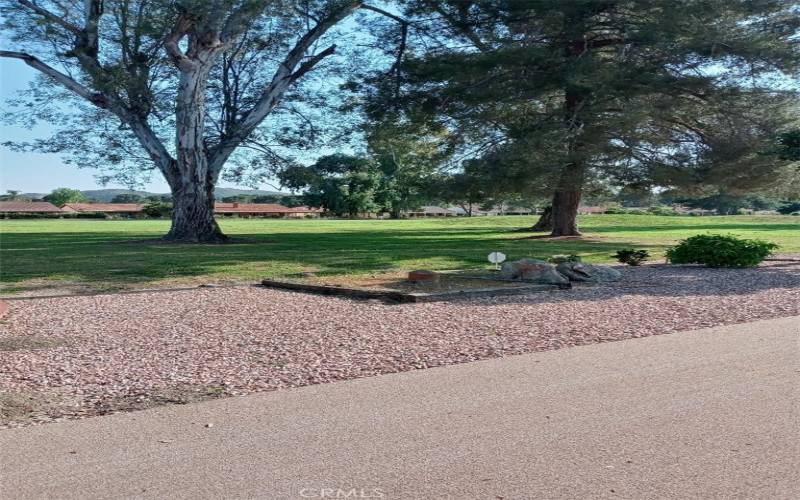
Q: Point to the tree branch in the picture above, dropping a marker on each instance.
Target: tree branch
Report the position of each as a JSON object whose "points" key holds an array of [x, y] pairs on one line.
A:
{"points": [[50, 16], [174, 51], [284, 76], [384, 13], [97, 99], [309, 63]]}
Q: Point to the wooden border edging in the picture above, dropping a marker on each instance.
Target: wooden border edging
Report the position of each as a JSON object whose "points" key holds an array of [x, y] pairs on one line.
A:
{"points": [[3, 308], [403, 297]]}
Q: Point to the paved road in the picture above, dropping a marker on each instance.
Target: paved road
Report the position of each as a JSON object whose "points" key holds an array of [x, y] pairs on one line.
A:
{"points": [[707, 414]]}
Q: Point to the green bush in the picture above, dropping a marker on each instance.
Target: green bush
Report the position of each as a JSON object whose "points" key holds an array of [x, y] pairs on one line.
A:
{"points": [[631, 256], [615, 211], [157, 209], [716, 250], [789, 208]]}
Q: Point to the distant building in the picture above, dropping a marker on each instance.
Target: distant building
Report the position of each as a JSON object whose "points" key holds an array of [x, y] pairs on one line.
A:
{"points": [[8, 208], [271, 210], [431, 211], [129, 209]]}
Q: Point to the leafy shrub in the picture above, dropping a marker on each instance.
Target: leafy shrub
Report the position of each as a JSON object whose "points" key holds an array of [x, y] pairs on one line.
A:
{"points": [[716, 250], [157, 209], [789, 208], [631, 256], [558, 259]]}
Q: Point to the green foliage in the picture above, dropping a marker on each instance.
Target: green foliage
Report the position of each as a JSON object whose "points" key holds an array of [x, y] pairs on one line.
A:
{"points": [[631, 256], [790, 145], [286, 200], [729, 204], [157, 209], [715, 250], [61, 196], [343, 185], [616, 211], [407, 156], [789, 207], [512, 70], [558, 259]]}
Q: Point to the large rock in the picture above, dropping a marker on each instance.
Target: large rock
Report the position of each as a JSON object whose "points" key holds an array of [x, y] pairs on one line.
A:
{"points": [[578, 271], [533, 270]]}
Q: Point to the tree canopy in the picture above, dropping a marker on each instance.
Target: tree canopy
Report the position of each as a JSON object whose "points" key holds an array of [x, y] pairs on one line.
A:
{"points": [[555, 94], [176, 86], [61, 196]]}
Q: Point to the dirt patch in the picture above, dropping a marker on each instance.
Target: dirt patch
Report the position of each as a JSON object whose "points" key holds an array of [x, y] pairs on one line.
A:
{"points": [[49, 288], [172, 395], [23, 342], [22, 408]]}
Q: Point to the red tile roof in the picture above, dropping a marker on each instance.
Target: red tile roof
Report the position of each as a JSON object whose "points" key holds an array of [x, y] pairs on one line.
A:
{"points": [[235, 208], [260, 208], [104, 207], [28, 206]]}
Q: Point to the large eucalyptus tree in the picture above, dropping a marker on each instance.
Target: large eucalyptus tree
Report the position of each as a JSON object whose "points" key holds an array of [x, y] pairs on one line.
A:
{"points": [[186, 82]]}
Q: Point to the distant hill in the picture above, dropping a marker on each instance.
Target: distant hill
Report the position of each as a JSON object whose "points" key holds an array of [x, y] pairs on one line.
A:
{"points": [[106, 195], [225, 192]]}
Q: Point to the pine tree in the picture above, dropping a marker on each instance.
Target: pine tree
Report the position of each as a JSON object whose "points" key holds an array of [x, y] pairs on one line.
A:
{"points": [[557, 94]]}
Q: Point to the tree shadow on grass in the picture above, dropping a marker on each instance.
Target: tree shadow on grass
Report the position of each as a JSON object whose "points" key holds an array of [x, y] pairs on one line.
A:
{"points": [[129, 259], [700, 228], [104, 260]]}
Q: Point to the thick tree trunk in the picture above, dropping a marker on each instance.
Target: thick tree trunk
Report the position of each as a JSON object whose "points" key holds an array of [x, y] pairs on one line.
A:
{"points": [[545, 222], [193, 215], [565, 211], [192, 181]]}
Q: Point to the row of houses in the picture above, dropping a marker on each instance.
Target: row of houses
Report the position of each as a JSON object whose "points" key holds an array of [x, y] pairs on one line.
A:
{"points": [[437, 211], [267, 210], [9, 208]]}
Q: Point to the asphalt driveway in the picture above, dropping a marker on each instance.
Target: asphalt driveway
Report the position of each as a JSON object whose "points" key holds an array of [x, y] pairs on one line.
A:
{"points": [[705, 414]]}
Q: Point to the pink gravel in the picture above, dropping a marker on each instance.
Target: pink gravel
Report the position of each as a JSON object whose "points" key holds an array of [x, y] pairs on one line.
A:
{"points": [[114, 349]]}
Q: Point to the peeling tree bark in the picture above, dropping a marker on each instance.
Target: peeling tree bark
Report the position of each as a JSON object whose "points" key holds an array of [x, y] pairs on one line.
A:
{"points": [[193, 186]]}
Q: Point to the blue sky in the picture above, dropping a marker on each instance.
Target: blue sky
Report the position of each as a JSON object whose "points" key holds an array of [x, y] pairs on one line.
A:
{"points": [[41, 173]]}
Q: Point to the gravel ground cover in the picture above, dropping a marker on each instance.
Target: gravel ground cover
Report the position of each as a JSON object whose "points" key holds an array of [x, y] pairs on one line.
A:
{"points": [[92, 355]]}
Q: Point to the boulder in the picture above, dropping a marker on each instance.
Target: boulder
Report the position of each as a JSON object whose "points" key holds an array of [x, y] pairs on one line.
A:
{"points": [[533, 270], [578, 271]]}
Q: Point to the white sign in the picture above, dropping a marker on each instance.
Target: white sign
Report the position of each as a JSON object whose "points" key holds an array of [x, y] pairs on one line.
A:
{"points": [[496, 258]]}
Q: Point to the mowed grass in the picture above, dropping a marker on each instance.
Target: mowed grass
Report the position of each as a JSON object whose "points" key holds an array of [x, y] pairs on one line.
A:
{"points": [[107, 255]]}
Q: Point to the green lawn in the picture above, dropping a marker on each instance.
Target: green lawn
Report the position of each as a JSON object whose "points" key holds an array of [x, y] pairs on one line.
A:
{"points": [[118, 254]]}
